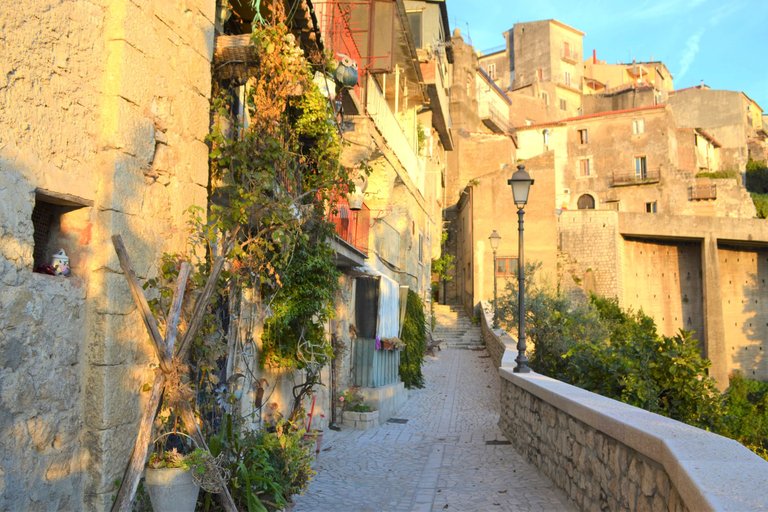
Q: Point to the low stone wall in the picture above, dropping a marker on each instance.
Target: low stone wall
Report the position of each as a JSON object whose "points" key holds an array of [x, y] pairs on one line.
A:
{"points": [[607, 455], [493, 343]]}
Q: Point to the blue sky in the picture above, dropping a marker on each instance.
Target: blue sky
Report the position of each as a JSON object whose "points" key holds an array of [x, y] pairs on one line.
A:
{"points": [[723, 43]]}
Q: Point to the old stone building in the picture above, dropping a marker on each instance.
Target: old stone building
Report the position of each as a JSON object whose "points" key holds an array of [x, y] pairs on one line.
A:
{"points": [[104, 116], [631, 169]]}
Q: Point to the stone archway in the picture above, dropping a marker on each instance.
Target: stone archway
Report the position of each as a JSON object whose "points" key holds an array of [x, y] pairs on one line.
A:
{"points": [[586, 202]]}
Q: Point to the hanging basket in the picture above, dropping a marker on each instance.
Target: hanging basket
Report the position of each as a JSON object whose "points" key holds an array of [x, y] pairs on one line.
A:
{"points": [[234, 57]]}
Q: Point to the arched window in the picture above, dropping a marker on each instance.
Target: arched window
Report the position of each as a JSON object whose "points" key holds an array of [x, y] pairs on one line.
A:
{"points": [[586, 202]]}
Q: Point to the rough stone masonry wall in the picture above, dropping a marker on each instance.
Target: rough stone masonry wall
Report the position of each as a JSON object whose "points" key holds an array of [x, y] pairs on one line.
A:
{"points": [[596, 471], [106, 100], [589, 259], [47, 110]]}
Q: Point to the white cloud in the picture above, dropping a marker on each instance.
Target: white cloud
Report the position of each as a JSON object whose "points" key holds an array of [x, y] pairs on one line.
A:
{"points": [[689, 53]]}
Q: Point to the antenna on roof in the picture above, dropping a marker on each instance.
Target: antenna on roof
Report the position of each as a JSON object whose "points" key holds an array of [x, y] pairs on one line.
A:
{"points": [[469, 37]]}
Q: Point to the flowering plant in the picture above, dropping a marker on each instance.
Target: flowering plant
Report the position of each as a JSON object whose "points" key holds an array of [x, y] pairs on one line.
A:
{"points": [[352, 400]]}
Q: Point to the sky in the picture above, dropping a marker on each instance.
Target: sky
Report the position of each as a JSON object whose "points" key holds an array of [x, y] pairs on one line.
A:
{"points": [[723, 43]]}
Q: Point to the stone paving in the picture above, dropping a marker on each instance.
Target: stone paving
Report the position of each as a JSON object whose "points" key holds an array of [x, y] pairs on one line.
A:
{"points": [[450, 455]]}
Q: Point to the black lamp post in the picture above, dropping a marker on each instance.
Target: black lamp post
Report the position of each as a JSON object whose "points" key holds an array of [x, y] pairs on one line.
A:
{"points": [[495, 238], [521, 184]]}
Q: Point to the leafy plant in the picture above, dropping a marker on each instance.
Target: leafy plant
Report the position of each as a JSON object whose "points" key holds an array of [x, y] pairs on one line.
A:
{"points": [[414, 336], [267, 466], [352, 400], [444, 266]]}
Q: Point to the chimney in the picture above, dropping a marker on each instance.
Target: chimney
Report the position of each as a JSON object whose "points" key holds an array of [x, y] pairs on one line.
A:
{"points": [[594, 56]]}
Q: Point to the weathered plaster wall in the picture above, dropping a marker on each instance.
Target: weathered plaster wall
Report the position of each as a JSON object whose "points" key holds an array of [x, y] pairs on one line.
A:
{"points": [[664, 279], [106, 101], [743, 275]]}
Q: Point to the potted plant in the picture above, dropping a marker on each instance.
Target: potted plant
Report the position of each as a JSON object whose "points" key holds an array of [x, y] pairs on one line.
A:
{"points": [[355, 412], [393, 343], [173, 479]]}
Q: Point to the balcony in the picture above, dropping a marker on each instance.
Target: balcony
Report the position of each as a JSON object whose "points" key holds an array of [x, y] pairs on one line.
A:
{"points": [[392, 131], [702, 192], [433, 71], [624, 179], [569, 56], [351, 227], [495, 120]]}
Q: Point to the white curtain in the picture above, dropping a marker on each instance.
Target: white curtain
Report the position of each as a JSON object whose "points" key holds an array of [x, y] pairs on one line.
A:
{"points": [[389, 308]]}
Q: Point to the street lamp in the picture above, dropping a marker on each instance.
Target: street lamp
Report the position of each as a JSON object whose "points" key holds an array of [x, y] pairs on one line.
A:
{"points": [[495, 239], [521, 184]]}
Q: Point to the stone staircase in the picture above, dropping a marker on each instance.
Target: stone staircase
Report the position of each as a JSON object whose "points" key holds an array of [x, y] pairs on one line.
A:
{"points": [[455, 328]]}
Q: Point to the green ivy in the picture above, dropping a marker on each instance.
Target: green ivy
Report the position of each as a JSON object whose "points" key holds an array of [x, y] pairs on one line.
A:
{"points": [[414, 335]]}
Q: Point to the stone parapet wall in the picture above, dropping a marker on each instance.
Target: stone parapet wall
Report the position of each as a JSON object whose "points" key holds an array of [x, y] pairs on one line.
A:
{"points": [[595, 470], [607, 455]]}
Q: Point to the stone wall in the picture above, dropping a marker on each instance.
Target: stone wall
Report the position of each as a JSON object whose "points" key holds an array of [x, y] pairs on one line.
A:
{"points": [[607, 455], [589, 257], [596, 471], [103, 116]]}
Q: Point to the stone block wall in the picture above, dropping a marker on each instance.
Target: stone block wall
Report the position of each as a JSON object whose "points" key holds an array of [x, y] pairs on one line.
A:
{"points": [[607, 455], [589, 252], [596, 471], [104, 103]]}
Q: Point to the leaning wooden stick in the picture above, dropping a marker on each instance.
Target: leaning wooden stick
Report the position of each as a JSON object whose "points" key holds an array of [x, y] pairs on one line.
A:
{"points": [[164, 351]]}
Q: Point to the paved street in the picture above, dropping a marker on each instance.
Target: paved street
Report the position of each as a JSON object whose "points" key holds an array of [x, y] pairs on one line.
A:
{"points": [[450, 455]]}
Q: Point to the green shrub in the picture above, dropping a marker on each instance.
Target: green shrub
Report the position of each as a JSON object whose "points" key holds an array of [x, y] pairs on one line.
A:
{"points": [[746, 413], [757, 177], [267, 467], [415, 337], [761, 204]]}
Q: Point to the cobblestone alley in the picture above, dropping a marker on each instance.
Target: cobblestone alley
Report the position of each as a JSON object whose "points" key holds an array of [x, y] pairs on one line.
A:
{"points": [[450, 455]]}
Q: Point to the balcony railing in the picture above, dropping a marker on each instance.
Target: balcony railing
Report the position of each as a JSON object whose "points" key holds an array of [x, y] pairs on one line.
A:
{"points": [[622, 179], [374, 368], [702, 192], [352, 226], [392, 131]]}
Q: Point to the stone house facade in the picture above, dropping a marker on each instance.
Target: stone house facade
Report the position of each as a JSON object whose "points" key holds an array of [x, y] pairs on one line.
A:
{"points": [[104, 117]]}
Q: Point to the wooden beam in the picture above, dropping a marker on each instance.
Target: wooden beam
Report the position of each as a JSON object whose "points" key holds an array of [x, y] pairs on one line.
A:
{"points": [[141, 302], [202, 302], [174, 314], [133, 471]]}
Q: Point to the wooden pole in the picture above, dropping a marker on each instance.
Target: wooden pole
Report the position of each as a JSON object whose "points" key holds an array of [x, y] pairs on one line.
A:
{"points": [[132, 475], [141, 302]]}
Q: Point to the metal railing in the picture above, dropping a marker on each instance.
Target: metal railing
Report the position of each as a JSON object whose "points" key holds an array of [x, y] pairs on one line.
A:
{"points": [[631, 178], [702, 192]]}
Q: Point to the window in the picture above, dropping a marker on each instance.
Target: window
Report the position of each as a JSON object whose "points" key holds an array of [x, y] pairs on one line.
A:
{"points": [[583, 136], [563, 104], [584, 167], [56, 220], [492, 70], [586, 202], [414, 20], [545, 97], [641, 169], [638, 126], [650, 207], [506, 266], [567, 78], [545, 133]]}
